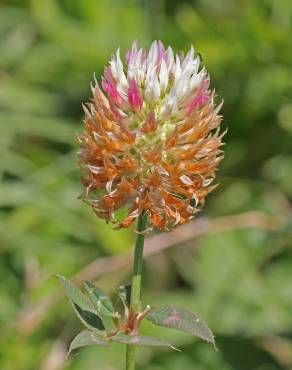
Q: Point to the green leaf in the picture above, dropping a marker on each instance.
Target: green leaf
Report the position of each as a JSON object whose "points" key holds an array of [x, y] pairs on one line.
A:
{"points": [[181, 319], [100, 300], [140, 340], [82, 305], [76, 296], [86, 338], [89, 319]]}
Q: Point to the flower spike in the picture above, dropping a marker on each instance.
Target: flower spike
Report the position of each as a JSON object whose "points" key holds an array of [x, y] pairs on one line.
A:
{"points": [[151, 140]]}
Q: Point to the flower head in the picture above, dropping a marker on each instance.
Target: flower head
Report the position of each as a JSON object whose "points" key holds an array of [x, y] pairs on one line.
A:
{"points": [[151, 138]]}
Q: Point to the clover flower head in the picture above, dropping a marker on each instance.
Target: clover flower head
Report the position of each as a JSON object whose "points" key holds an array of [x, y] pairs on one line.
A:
{"points": [[151, 140]]}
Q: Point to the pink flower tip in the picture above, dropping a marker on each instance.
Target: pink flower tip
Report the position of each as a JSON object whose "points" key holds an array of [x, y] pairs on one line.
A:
{"points": [[134, 95]]}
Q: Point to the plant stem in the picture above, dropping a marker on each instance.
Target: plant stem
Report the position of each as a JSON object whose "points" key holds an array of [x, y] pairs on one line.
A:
{"points": [[135, 305]]}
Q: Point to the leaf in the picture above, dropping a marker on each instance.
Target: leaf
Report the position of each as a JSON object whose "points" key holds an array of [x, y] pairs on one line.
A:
{"points": [[125, 293], [82, 305], [181, 319], [86, 338], [100, 300], [76, 296], [140, 340], [89, 319]]}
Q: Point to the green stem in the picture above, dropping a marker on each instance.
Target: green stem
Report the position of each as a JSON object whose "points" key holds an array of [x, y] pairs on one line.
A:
{"points": [[135, 305]]}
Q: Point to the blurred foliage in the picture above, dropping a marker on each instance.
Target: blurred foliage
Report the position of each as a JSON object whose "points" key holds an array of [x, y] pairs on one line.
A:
{"points": [[238, 281]]}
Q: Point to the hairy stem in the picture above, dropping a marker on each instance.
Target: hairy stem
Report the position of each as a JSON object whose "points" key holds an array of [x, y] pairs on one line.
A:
{"points": [[135, 305]]}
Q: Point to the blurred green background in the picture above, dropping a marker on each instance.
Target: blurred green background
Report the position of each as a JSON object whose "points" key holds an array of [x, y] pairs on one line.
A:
{"points": [[237, 276]]}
